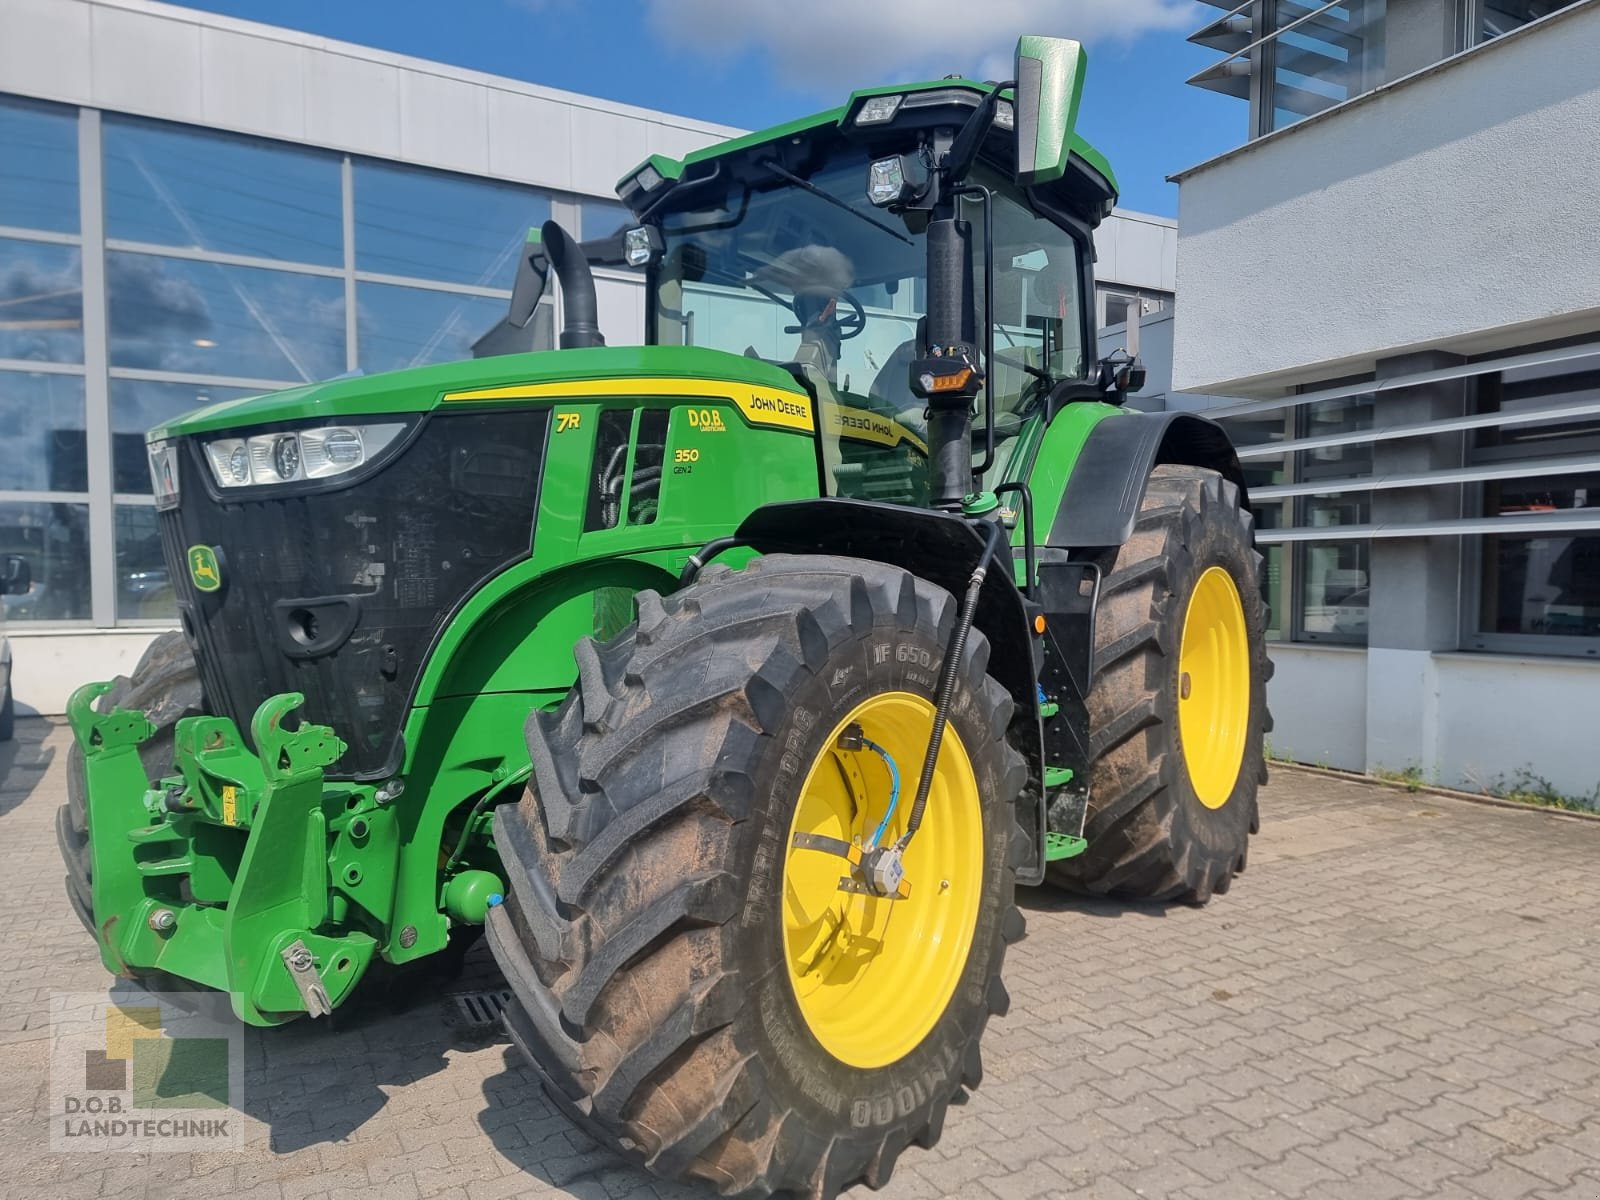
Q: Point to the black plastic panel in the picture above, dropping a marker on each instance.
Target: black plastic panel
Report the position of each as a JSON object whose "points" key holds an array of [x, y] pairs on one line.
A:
{"points": [[339, 594]]}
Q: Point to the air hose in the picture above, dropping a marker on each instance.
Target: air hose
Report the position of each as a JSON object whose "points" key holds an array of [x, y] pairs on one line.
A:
{"points": [[947, 680], [894, 789]]}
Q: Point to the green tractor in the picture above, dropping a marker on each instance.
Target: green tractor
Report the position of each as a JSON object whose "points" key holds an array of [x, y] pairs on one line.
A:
{"points": [[730, 683]]}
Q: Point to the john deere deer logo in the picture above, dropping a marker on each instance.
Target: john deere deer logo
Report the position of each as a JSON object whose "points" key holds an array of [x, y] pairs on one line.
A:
{"points": [[203, 568]]}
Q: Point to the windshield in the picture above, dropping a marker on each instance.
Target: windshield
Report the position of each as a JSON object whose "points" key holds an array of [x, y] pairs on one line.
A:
{"points": [[779, 273]]}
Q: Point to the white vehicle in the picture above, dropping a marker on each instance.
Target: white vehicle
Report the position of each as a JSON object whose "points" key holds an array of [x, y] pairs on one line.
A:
{"points": [[16, 580]]}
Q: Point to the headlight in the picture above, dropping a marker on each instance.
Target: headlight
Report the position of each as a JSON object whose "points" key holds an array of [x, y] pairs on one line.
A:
{"points": [[637, 247], [878, 109], [303, 454], [886, 181], [164, 474], [899, 180]]}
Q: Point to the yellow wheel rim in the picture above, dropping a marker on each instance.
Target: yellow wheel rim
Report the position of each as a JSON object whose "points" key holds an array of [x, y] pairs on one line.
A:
{"points": [[1214, 687], [872, 976]]}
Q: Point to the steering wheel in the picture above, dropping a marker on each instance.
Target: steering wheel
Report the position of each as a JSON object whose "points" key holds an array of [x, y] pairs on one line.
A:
{"points": [[854, 322], [851, 324]]}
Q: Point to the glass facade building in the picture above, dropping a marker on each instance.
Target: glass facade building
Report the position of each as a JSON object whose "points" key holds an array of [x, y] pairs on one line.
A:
{"points": [[155, 260], [227, 265]]}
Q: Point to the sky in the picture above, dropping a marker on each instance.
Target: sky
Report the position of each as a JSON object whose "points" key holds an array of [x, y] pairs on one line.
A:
{"points": [[753, 63]]}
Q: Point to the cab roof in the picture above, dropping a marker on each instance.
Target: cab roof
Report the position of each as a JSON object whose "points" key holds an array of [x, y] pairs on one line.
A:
{"points": [[1090, 186]]}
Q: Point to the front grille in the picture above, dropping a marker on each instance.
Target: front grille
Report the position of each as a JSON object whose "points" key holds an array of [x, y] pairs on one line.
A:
{"points": [[340, 593]]}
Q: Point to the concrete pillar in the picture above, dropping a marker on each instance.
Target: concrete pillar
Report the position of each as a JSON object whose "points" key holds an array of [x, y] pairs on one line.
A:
{"points": [[1417, 34], [1415, 598]]}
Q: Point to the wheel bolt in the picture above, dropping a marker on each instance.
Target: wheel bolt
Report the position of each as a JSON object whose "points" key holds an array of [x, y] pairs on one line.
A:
{"points": [[1183, 686]]}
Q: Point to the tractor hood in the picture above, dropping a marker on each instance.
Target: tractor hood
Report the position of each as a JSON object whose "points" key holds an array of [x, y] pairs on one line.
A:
{"points": [[423, 389]]}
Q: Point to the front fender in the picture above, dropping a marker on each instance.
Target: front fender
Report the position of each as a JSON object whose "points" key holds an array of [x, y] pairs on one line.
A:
{"points": [[942, 549]]}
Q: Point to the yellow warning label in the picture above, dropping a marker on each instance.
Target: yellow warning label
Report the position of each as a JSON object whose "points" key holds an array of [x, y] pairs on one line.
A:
{"points": [[230, 804]]}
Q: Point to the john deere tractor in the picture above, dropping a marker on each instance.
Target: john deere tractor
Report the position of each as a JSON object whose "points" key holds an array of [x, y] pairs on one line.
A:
{"points": [[732, 683]]}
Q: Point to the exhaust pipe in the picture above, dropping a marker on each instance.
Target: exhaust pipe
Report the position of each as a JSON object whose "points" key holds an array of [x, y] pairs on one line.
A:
{"points": [[581, 324]]}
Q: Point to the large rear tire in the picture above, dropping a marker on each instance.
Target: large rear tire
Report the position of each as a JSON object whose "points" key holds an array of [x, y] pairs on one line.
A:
{"points": [[165, 686], [1178, 709], [694, 989]]}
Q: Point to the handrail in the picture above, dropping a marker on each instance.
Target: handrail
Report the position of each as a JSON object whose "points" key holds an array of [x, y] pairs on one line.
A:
{"points": [[1261, 41], [1511, 362], [1420, 429], [1511, 469], [1521, 523]]}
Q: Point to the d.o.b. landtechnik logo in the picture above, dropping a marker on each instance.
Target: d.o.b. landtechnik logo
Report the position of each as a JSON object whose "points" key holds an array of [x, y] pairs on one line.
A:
{"points": [[140, 1072]]}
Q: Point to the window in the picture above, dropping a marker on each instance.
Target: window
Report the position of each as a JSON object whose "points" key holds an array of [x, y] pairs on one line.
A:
{"points": [[139, 404], [433, 225], [38, 166], [1497, 17], [1117, 304], [188, 324], [175, 186], [1545, 586], [1262, 472], [1540, 592], [42, 429], [41, 301], [54, 538], [1316, 591], [173, 314], [1332, 578], [410, 327], [601, 218], [1320, 60], [144, 590]]}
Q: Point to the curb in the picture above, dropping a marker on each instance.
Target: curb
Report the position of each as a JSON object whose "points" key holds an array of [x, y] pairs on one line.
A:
{"points": [[1429, 790]]}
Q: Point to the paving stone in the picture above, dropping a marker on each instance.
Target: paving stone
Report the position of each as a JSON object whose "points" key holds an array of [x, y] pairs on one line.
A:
{"points": [[1338, 1027]]}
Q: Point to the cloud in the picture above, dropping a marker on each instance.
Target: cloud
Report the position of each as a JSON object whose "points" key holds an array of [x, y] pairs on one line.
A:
{"points": [[832, 44], [41, 305]]}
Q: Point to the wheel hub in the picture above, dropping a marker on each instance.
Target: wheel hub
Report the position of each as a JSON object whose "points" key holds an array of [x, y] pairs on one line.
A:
{"points": [[1214, 687], [875, 941]]}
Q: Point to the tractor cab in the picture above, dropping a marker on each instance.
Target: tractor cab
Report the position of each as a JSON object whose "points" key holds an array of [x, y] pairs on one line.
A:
{"points": [[807, 246]]}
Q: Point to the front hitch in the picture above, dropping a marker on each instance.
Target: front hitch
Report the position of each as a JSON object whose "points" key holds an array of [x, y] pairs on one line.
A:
{"points": [[221, 875]]}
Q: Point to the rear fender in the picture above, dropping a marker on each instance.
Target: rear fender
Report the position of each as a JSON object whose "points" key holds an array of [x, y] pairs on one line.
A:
{"points": [[1103, 495]]}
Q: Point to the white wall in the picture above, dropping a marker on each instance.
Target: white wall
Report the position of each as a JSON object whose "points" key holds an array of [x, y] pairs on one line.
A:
{"points": [[48, 665], [1454, 209], [1318, 701], [1498, 715], [1137, 250], [177, 64]]}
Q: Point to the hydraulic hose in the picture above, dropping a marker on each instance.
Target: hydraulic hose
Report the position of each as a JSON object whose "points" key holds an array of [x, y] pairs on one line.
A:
{"points": [[947, 679]]}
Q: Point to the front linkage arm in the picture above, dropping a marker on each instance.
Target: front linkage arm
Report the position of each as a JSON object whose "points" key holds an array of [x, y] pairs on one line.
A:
{"points": [[227, 875]]}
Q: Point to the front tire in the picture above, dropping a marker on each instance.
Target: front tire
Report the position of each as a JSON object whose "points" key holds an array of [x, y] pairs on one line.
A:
{"points": [[666, 939], [165, 686], [1178, 709]]}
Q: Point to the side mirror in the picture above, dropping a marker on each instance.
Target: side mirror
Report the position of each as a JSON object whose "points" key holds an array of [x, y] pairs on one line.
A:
{"points": [[1049, 74], [533, 277], [1120, 376], [18, 577]]}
